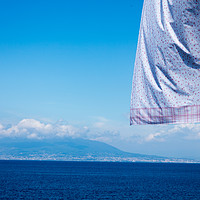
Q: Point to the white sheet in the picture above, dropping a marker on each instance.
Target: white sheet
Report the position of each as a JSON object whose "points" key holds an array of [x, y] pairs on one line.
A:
{"points": [[166, 80]]}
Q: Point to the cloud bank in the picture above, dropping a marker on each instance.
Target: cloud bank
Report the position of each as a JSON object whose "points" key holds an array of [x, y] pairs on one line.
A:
{"points": [[100, 130], [34, 129], [183, 131]]}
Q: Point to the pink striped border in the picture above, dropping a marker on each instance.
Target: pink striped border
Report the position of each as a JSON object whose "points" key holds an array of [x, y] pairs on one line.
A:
{"points": [[169, 115]]}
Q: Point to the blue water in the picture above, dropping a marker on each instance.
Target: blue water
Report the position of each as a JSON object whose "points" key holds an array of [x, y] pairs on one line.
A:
{"points": [[98, 180]]}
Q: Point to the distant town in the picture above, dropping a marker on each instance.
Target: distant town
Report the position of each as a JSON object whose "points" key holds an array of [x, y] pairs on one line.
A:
{"points": [[55, 157], [69, 149]]}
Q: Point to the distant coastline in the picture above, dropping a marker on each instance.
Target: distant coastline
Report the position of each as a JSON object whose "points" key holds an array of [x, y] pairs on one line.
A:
{"points": [[85, 159], [69, 149]]}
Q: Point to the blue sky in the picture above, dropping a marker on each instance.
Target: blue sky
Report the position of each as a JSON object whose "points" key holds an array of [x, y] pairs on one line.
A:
{"points": [[69, 64], [67, 59]]}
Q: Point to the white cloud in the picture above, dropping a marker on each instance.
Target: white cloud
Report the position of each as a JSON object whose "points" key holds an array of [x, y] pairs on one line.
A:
{"points": [[164, 132], [33, 136], [32, 128], [35, 129], [188, 131], [1, 127], [155, 137], [191, 127], [34, 124], [101, 122], [102, 130], [66, 130]]}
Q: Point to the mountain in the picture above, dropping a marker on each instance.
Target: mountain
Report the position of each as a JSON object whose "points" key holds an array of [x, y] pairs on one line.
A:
{"points": [[69, 149]]}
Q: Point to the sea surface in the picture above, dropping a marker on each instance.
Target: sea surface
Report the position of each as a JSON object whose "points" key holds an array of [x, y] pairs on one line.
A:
{"points": [[98, 180]]}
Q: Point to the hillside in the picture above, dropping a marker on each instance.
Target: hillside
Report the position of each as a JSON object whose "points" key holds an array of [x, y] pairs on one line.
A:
{"points": [[70, 149]]}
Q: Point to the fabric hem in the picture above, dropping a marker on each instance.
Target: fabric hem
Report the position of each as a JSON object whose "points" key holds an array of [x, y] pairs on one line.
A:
{"points": [[167, 115]]}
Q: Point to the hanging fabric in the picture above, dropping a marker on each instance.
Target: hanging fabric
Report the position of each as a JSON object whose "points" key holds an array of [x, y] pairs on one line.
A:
{"points": [[166, 80]]}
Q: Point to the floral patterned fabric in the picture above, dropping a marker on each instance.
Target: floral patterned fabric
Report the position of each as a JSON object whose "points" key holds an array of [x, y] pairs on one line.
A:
{"points": [[166, 80]]}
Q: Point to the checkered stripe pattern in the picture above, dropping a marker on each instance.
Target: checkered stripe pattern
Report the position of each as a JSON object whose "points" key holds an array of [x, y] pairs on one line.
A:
{"points": [[170, 115]]}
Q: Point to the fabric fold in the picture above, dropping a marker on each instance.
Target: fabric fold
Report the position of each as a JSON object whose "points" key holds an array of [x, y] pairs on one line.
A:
{"points": [[166, 78]]}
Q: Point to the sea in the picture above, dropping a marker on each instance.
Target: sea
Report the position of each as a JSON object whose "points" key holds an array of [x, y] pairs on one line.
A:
{"points": [[98, 180]]}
